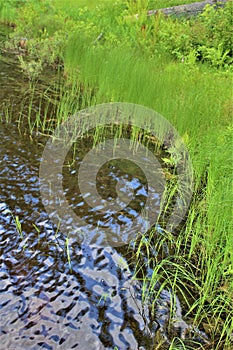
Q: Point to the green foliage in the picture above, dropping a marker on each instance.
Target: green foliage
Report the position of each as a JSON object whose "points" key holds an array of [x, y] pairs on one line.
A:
{"points": [[47, 26], [216, 56], [219, 27], [18, 226], [32, 68], [7, 11]]}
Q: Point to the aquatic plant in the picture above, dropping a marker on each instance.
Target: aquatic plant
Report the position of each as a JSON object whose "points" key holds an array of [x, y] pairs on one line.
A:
{"points": [[68, 253], [31, 69], [18, 225]]}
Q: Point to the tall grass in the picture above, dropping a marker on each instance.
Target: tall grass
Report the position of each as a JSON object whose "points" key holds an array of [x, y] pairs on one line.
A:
{"points": [[196, 101], [7, 12]]}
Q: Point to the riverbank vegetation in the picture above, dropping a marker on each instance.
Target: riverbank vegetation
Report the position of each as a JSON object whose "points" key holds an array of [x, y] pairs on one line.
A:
{"points": [[181, 68]]}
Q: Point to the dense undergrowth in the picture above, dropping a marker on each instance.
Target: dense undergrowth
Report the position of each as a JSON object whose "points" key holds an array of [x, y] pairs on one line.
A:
{"points": [[182, 69], [207, 38]]}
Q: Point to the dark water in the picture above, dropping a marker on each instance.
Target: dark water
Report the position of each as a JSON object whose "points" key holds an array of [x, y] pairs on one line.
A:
{"points": [[44, 302]]}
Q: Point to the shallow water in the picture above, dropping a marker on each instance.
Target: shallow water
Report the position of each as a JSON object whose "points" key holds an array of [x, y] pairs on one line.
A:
{"points": [[46, 302], [43, 303]]}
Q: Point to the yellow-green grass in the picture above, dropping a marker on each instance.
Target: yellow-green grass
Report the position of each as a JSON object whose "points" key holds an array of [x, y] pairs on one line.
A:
{"points": [[197, 101]]}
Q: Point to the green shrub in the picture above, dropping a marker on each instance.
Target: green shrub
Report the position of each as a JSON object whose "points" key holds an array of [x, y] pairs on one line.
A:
{"points": [[47, 26], [219, 27]]}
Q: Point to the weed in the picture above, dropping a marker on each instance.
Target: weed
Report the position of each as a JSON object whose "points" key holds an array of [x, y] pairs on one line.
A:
{"points": [[18, 226], [68, 253]]}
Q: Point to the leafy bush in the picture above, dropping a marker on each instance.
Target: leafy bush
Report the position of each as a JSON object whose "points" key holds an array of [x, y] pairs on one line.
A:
{"points": [[47, 27], [219, 27]]}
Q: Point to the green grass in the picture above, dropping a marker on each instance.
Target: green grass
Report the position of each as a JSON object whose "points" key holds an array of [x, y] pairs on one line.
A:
{"points": [[76, 4], [196, 100], [152, 4]]}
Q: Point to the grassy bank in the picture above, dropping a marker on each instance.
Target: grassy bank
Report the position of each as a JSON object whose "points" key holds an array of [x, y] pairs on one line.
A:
{"points": [[197, 102], [182, 70]]}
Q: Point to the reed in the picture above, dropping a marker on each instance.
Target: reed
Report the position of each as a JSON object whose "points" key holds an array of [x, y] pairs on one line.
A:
{"points": [[67, 246], [200, 266]]}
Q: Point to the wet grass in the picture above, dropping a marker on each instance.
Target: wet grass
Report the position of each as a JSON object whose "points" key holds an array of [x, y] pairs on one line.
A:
{"points": [[195, 100], [199, 266]]}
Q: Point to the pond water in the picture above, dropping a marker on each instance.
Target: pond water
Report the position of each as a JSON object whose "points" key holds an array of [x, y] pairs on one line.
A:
{"points": [[46, 302]]}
